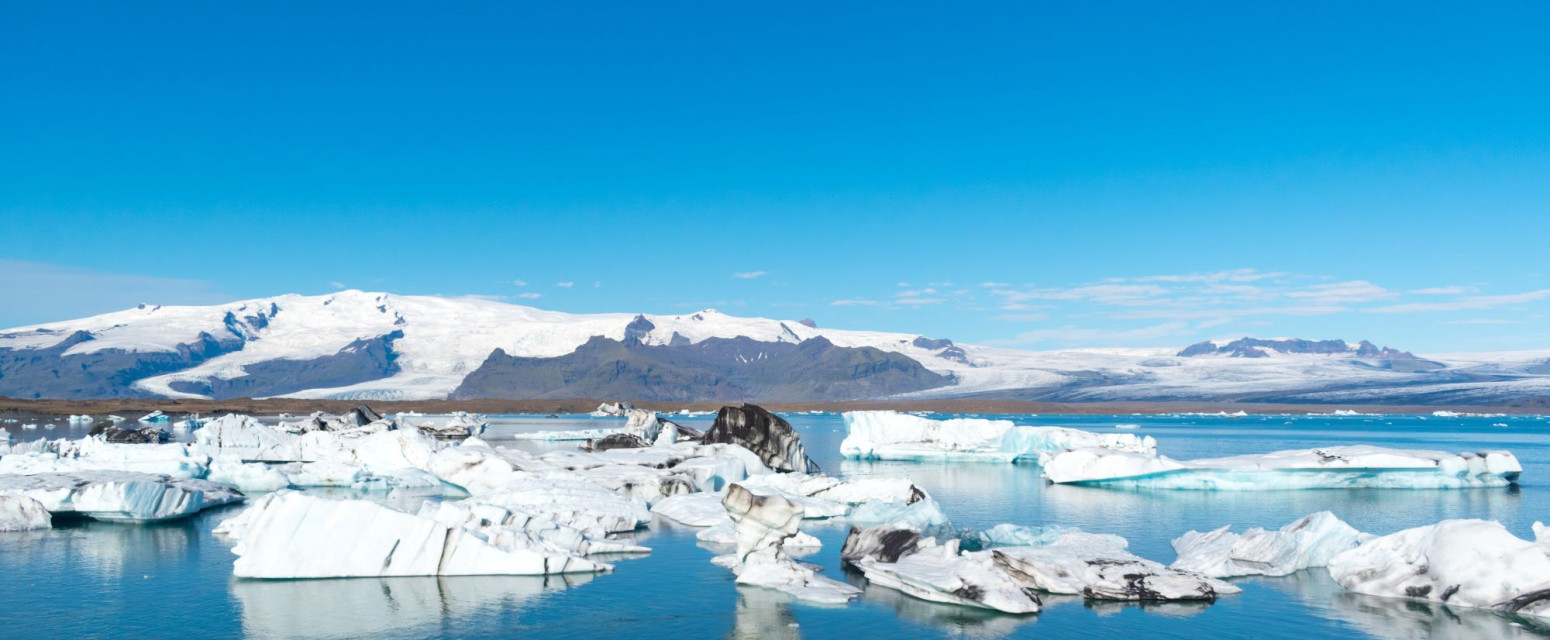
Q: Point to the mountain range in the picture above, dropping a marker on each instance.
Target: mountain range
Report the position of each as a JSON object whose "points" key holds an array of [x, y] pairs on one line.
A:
{"points": [[378, 346]]}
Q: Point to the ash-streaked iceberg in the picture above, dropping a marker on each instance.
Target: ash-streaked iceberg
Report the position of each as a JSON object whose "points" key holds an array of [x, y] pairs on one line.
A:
{"points": [[900, 558], [889, 435], [295, 535], [1469, 563], [1100, 567], [1308, 542], [1344, 467]]}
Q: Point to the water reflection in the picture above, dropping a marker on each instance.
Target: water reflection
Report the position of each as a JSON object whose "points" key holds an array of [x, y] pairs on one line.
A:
{"points": [[1400, 619], [763, 614], [378, 607], [950, 620]]}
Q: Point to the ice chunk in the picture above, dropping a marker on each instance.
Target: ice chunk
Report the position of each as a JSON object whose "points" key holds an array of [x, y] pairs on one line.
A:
{"points": [[763, 523], [889, 435], [93, 453], [118, 495], [1012, 535], [294, 535], [695, 509], [247, 477], [899, 558], [724, 533], [1356, 466], [22, 513], [1542, 535], [1470, 563], [1309, 542], [764, 433], [1098, 566], [922, 515]]}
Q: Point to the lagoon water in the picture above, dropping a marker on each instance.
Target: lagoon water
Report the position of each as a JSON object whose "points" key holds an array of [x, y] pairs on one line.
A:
{"points": [[173, 580]]}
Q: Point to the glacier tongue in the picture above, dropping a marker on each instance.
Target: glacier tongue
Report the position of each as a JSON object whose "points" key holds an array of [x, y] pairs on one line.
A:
{"points": [[1471, 563], [889, 435], [1309, 542], [1344, 467]]}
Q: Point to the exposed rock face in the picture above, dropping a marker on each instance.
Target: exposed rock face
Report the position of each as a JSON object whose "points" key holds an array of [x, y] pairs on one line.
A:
{"points": [[716, 369], [144, 435], [808, 322], [1369, 353], [108, 373], [763, 433], [638, 328], [360, 361], [927, 343]]}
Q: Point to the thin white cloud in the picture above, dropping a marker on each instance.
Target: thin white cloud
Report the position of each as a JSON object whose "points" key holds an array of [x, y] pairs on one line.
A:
{"points": [[994, 285], [1349, 292], [915, 302], [855, 302], [1443, 291], [336, 284], [1071, 334], [1110, 294], [748, 275], [1231, 275], [530, 295], [565, 285], [1468, 302], [520, 283], [1020, 317], [1206, 314], [1482, 321]]}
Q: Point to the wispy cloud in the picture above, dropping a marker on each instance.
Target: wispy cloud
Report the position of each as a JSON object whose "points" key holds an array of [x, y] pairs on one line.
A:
{"points": [[1467, 302], [336, 284], [748, 275], [529, 295], [520, 283], [855, 302], [564, 285], [1351, 291], [1443, 291], [1072, 334], [1481, 321], [1230, 275]]}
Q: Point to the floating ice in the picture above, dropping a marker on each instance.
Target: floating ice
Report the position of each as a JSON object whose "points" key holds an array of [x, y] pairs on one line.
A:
{"points": [[695, 509], [23, 513], [1471, 563], [763, 523], [1098, 566], [118, 495], [1309, 542], [1357, 466], [889, 435], [295, 535], [764, 433]]}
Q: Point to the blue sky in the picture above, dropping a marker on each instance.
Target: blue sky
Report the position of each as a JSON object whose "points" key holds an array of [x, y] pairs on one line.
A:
{"points": [[1086, 174]]}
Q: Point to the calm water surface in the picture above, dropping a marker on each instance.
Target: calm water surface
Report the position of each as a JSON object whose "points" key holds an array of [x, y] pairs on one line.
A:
{"points": [[101, 580]]}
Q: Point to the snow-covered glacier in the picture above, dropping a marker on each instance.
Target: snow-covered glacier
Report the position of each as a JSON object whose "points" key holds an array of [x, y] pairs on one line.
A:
{"points": [[1343, 467], [890, 435]]}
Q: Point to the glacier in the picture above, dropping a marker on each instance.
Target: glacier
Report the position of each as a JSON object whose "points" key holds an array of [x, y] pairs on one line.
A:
{"points": [[890, 435], [1468, 563], [1343, 467]]}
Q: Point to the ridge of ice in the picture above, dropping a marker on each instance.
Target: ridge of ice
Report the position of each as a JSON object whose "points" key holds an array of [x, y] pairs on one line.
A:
{"points": [[1308, 542]]}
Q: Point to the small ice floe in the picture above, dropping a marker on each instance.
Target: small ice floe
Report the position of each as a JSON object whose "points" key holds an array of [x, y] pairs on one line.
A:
{"points": [[30, 426], [81, 420], [116, 419], [50, 426], [1127, 426], [1466, 563], [888, 435], [1354, 466], [1499, 424], [1309, 542], [154, 416]]}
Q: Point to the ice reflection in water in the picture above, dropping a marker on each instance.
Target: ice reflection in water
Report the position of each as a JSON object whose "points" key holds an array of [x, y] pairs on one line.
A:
{"points": [[375, 607], [1400, 619]]}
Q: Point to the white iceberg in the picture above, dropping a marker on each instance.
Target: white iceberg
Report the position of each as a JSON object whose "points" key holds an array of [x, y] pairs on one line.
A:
{"points": [[1345, 467], [80, 420], [694, 510], [23, 513], [1309, 542], [889, 435], [763, 523], [118, 495], [294, 535], [1470, 563], [899, 558]]}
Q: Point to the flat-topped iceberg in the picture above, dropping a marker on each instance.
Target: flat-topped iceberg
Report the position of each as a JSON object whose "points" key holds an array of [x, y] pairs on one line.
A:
{"points": [[900, 558], [1345, 467], [1309, 542], [889, 435], [295, 535], [1470, 563], [1099, 566], [118, 495]]}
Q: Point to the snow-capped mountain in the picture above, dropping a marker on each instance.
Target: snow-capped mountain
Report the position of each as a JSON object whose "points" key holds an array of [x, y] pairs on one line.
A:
{"points": [[355, 344]]}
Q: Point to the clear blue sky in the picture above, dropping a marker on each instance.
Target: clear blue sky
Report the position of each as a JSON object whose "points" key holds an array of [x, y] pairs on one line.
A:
{"points": [[1078, 174]]}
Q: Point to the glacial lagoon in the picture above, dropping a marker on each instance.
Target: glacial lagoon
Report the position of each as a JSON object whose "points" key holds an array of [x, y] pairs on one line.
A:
{"points": [[106, 580]]}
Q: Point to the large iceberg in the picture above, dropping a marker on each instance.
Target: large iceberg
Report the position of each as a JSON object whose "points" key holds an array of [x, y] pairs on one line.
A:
{"points": [[1470, 563], [763, 524], [118, 495], [23, 513], [1099, 566], [1345, 467], [899, 558], [1309, 542], [295, 535], [889, 435], [764, 433]]}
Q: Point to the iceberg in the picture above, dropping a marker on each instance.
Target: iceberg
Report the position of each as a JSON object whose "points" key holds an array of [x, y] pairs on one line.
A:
{"points": [[1345, 467], [1309, 542], [288, 535], [889, 435], [118, 495], [764, 433], [1098, 566], [23, 513], [79, 420], [899, 558], [1470, 563], [694, 510], [763, 524]]}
